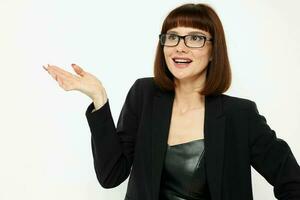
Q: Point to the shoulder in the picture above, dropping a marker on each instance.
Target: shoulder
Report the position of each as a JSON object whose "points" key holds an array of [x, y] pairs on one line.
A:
{"points": [[140, 85], [145, 85], [232, 104], [147, 82]]}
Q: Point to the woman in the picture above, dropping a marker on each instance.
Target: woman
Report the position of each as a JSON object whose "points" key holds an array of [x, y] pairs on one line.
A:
{"points": [[178, 136]]}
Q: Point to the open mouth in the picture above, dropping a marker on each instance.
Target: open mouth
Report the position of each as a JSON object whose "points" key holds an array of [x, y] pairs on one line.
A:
{"points": [[181, 62]]}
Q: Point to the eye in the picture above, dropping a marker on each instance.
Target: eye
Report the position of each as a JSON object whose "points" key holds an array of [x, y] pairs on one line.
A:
{"points": [[197, 38], [171, 37]]}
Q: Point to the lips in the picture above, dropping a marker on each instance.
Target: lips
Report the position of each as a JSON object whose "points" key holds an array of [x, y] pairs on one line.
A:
{"points": [[181, 62]]}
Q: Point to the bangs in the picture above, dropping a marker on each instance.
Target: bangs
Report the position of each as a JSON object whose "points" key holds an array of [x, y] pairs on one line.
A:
{"points": [[188, 16]]}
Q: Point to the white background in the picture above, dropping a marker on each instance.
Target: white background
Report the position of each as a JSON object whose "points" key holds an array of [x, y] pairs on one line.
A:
{"points": [[45, 147]]}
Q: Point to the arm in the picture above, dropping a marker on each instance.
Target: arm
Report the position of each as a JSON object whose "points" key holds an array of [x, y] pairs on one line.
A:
{"points": [[113, 148], [272, 157]]}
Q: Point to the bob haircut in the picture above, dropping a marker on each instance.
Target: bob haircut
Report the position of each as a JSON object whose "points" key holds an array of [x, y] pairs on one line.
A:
{"points": [[201, 16]]}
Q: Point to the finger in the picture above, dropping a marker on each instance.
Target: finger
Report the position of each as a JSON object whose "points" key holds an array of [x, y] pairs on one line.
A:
{"points": [[60, 81], [55, 74], [62, 74], [45, 68], [78, 69], [64, 82], [58, 76], [52, 73], [61, 71]]}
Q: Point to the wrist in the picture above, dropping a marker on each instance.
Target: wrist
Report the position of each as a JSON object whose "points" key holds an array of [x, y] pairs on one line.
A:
{"points": [[99, 102]]}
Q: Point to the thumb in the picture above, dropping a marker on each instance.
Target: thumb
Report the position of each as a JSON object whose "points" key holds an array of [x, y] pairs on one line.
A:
{"points": [[78, 69]]}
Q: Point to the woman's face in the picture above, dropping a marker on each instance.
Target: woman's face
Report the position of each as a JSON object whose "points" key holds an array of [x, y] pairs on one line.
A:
{"points": [[199, 57]]}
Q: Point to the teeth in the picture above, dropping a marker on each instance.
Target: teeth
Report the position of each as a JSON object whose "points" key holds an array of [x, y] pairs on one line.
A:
{"points": [[181, 60]]}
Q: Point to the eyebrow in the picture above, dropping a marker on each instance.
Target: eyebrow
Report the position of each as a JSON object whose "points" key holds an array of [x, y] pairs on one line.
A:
{"points": [[192, 32]]}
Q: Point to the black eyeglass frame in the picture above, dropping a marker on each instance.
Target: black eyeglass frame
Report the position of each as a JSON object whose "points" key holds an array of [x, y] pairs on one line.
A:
{"points": [[183, 37]]}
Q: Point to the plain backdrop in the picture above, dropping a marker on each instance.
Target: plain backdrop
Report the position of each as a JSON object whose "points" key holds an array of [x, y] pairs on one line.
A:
{"points": [[45, 147]]}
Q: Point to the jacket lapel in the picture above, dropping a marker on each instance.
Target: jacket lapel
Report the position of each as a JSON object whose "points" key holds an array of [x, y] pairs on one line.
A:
{"points": [[214, 134], [214, 130], [161, 118]]}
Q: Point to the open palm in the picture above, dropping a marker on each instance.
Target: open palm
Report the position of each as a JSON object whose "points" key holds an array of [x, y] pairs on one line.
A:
{"points": [[83, 81]]}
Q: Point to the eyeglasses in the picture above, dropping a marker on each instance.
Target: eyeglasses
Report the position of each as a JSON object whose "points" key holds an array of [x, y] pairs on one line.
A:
{"points": [[192, 41]]}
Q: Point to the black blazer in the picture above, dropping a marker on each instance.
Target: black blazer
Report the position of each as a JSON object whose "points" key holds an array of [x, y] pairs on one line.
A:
{"points": [[236, 138]]}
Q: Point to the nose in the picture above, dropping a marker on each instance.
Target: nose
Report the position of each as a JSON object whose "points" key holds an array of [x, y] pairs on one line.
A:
{"points": [[181, 46]]}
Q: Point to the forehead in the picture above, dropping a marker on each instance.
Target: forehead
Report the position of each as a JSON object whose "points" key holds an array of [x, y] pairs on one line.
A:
{"points": [[187, 30]]}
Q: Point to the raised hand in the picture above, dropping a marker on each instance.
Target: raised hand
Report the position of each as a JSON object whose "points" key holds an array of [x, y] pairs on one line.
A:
{"points": [[83, 82]]}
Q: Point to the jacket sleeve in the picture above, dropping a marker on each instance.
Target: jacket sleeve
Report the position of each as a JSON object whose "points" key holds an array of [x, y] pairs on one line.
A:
{"points": [[272, 157], [113, 147]]}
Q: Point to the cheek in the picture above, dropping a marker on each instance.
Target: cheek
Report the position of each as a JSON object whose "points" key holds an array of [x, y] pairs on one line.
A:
{"points": [[167, 54], [202, 55]]}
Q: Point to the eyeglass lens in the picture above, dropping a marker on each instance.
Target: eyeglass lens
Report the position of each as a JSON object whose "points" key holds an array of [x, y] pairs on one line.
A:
{"points": [[190, 40]]}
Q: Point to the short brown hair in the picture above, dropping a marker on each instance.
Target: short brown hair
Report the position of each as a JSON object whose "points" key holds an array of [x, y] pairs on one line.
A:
{"points": [[201, 16]]}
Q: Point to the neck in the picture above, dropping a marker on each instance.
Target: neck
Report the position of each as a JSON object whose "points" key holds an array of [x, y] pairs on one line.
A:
{"points": [[187, 94]]}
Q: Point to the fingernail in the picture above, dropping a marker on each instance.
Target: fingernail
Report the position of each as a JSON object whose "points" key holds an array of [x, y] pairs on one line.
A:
{"points": [[73, 64]]}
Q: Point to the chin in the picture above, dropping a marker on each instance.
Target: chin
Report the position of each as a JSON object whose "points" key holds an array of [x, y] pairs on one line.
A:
{"points": [[182, 75], [187, 75], [181, 72]]}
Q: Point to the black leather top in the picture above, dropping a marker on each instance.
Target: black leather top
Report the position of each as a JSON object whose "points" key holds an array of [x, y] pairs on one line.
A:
{"points": [[183, 175]]}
